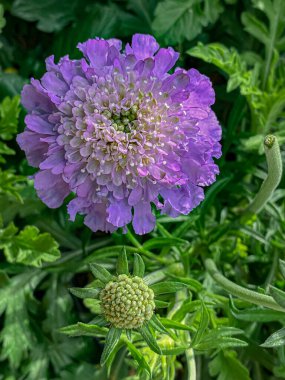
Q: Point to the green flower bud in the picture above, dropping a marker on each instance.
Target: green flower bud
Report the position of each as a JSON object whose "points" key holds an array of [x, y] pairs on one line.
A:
{"points": [[127, 302]]}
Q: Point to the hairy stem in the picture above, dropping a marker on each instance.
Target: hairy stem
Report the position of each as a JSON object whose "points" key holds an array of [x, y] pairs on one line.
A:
{"points": [[274, 164], [240, 292]]}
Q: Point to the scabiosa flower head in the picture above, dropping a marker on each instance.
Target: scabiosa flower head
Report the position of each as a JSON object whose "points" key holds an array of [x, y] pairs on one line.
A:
{"points": [[121, 133], [127, 302]]}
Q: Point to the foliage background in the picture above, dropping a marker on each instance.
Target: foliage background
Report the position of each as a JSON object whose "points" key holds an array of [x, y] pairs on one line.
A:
{"points": [[240, 45]]}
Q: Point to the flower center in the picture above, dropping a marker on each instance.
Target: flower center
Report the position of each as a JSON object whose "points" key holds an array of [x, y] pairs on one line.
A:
{"points": [[125, 121]]}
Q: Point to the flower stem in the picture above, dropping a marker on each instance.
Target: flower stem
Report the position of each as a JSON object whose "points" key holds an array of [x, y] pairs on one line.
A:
{"points": [[239, 291], [274, 163]]}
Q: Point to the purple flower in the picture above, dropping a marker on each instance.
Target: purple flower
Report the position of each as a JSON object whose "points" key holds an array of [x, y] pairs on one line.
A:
{"points": [[121, 133]]}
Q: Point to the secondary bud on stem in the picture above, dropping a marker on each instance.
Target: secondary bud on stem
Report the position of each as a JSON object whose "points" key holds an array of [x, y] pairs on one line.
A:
{"points": [[127, 302], [274, 163]]}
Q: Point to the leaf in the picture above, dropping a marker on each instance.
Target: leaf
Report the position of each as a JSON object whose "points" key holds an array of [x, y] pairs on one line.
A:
{"points": [[101, 273], [175, 325], [122, 263], [255, 27], [160, 304], [9, 114], [177, 20], [161, 242], [111, 341], [138, 356], [227, 366], [51, 15], [95, 20], [282, 267], [149, 338], [16, 335], [10, 184], [255, 314], [203, 325], [277, 339], [167, 287], [84, 329], [220, 338], [84, 292], [2, 19], [29, 247], [278, 295], [139, 266], [156, 324]]}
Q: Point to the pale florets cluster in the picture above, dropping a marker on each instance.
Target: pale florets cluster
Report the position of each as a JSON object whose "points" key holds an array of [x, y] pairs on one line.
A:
{"points": [[121, 133], [127, 302]]}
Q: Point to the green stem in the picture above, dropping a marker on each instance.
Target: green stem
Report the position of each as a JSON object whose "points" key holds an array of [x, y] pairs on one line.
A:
{"points": [[239, 291], [271, 44], [274, 163]]}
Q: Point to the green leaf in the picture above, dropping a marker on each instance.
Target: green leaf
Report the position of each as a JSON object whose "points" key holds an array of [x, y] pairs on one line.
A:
{"points": [[255, 27], [161, 242], [101, 273], [278, 295], [29, 247], [122, 263], [139, 358], [111, 341], [93, 304], [203, 325], [277, 339], [2, 19], [177, 20], [227, 366], [139, 266], [11, 184], [84, 329], [220, 338], [149, 338], [50, 15], [282, 267], [9, 114], [96, 20], [255, 314], [160, 304], [156, 324], [175, 325], [84, 292], [167, 287]]}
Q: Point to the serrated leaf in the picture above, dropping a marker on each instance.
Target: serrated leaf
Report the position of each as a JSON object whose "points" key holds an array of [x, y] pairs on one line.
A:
{"points": [[111, 341], [227, 366], [277, 339], [122, 263], [101, 273], [29, 247], [167, 287], [139, 267], [221, 338], [149, 338], [84, 292], [9, 114], [51, 15], [177, 20]]}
